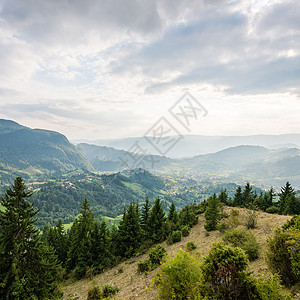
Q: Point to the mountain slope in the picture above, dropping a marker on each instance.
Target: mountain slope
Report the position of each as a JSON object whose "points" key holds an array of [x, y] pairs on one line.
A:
{"points": [[35, 151], [109, 159], [133, 285]]}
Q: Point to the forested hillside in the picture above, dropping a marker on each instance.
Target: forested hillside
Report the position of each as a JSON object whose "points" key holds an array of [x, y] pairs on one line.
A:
{"points": [[35, 152]]}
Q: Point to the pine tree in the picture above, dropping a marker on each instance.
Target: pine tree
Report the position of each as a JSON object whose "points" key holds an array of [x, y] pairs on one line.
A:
{"points": [[172, 215], [157, 221], [288, 203], [271, 195], [80, 241], [28, 269], [247, 196], [56, 238], [101, 243], [129, 234], [212, 213], [238, 197], [223, 197], [145, 214]]}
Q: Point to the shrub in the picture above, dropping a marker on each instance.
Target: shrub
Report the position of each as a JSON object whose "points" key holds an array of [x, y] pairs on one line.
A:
{"points": [[243, 239], [234, 212], [144, 266], [191, 246], [156, 255], [185, 231], [270, 288], [273, 210], [179, 277], [222, 226], [294, 222], [251, 219], [109, 291], [94, 294], [224, 274], [279, 257], [174, 237]]}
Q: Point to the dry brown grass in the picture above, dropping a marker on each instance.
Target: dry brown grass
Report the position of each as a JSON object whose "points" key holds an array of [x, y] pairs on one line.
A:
{"points": [[135, 286]]}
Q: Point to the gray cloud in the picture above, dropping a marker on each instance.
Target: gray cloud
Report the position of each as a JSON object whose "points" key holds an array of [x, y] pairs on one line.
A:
{"points": [[219, 49]]}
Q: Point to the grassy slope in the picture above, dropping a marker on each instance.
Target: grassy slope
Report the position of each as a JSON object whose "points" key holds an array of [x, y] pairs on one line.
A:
{"points": [[134, 286]]}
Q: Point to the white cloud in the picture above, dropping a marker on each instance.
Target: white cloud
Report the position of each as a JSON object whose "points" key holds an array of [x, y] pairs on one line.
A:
{"points": [[66, 62]]}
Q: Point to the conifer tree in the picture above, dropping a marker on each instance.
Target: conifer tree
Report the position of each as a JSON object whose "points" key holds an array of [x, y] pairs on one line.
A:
{"points": [[223, 197], [212, 213], [101, 243], [172, 215], [157, 221], [288, 204], [145, 214], [80, 241], [238, 197], [56, 238], [129, 234], [247, 196], [28, 269]]}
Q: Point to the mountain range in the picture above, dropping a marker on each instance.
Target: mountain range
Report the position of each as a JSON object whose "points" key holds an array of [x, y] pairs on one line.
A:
{"points": [[191, 145], [40, 153]]}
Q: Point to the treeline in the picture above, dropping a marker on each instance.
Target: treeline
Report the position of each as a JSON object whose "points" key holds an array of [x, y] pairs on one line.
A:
{"points": [[287, 202], [91, 247]]}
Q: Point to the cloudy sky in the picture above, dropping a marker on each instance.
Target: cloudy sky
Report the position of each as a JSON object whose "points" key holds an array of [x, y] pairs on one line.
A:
{"points": [[107, 69]]}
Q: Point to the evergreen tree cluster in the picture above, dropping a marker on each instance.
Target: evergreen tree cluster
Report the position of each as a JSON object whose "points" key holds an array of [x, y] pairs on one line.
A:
{"points": [[90, 248], [287, 204], [28, 268]]}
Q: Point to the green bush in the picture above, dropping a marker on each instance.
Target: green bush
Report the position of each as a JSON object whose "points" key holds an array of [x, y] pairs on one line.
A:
{"points": [[109, 291], [279, 257], [270, 289], [185, 231], [191, 246], [294, 222], [94, 294], [222, 226], [224, 273], [251, 219], [179, 277], [243, 239], [144, 266], [174, 237], [156, 255], [273, 210]]}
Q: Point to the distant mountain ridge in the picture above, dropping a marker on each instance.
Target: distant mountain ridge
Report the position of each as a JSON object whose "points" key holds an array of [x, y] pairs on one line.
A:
{"points": [[192, 145], [25, 151], [104, 158]]}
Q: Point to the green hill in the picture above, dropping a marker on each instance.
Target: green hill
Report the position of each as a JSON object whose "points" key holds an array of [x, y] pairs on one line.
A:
{"points": [[34, 152]]}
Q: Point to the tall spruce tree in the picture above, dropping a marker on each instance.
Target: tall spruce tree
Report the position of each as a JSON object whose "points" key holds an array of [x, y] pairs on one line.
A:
{"points": [[145, 214], [238, 197], [56, 238], [80, 241], [288, 204], [212, 213], [129, 234], [248, 196], [28, 269], [157, 220]]}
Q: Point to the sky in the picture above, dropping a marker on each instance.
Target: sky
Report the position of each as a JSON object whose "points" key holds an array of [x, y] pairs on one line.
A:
{"points": [[98, 69]]}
